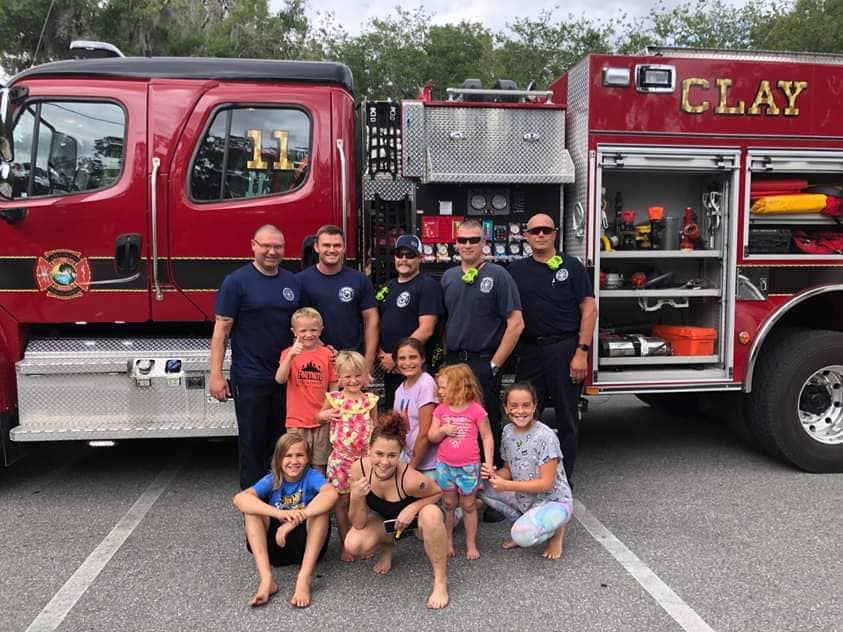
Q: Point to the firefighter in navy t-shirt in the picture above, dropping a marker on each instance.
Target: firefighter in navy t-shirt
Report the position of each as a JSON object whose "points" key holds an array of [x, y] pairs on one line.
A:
{"points": [[254, 306], [559, 316], [410, 306], [484, 320], [343, 296]]}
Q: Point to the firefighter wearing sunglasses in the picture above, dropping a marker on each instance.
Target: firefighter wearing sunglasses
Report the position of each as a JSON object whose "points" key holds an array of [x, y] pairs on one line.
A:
{"points": [[559, 317]]}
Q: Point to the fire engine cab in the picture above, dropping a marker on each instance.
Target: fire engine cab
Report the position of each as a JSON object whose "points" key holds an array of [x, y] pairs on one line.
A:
{"points": [[703, 189]]}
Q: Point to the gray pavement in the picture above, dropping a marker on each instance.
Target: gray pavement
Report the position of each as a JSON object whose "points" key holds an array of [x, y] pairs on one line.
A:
{"points": [[746, 542]]}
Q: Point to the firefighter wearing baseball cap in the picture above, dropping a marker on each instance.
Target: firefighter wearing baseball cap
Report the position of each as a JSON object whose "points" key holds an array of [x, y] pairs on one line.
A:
{"points": [[410, 306]]}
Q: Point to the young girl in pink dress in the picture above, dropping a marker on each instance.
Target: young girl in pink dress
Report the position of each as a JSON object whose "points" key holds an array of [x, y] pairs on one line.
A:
{"points": [[351, 412], [457, 421]]}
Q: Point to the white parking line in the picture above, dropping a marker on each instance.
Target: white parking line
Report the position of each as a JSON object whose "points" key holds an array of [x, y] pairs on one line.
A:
{"points": [[672, 603], [63, 601]]}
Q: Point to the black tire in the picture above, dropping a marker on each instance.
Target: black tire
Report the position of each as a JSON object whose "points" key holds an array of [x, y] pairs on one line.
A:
{"points": [[787, 361], [676, 404]]}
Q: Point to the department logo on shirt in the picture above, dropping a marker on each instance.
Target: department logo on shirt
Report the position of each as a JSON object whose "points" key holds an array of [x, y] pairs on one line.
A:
{"points": [[288, 294], [346, 294], [486, 284], [561, 274], [403, 299]]}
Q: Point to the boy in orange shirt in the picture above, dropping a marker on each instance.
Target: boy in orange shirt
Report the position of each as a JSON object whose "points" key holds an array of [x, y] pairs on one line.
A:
{"points": [[307, 368]]}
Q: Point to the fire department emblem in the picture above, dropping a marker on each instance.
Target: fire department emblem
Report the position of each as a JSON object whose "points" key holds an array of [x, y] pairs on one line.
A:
{"points": [[561, 274], [288, 294], [63, 274], [346, 294], [403, 299], [487, 284]]}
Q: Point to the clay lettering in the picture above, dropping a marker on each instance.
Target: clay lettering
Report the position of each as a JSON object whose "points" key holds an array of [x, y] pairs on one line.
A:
{"points": [[687, 84], [722, 106]]}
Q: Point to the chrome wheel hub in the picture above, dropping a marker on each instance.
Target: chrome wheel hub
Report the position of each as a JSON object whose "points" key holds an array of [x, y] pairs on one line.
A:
{"points": [[821, 405]]}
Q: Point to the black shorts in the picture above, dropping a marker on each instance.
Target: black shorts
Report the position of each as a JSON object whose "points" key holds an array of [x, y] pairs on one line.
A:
{"points": [[293, 552]]}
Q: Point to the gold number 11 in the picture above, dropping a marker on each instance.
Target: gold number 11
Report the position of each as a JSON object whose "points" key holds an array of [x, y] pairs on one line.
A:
{"points": [[283, 163]]}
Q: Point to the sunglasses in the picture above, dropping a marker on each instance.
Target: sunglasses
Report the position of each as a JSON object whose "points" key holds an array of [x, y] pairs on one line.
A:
{"points": [[406, 254], [542, 230], [468, 240]]}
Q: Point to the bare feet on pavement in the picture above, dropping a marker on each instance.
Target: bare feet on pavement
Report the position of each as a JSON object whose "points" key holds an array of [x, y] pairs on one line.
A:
{"points": [[439, 597], [507, 545], [265, 591], [553, 549], [301, 594], [383, 563], [472, 553]]}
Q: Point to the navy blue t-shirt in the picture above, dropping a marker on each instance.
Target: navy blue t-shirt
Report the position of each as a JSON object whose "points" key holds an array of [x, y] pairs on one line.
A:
{"points": [[551, 298], [261, 307], [477, 312], [403, 304], [339, 298]]}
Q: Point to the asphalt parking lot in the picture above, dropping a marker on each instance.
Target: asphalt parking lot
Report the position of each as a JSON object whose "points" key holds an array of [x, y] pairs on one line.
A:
{"points": [[677, 526]]}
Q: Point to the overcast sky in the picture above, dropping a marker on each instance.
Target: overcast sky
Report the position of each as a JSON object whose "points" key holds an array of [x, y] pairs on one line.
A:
{"points": [[353, 14]]}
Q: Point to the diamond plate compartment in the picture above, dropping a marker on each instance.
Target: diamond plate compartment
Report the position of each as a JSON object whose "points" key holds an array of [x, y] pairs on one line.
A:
{"points": [[82, 389], [577, 143], [388, 189], [412, 139], [496, 145]]}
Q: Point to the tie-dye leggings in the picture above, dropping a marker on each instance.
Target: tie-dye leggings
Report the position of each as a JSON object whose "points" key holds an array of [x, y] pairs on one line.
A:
{"points": [[537, 524]]}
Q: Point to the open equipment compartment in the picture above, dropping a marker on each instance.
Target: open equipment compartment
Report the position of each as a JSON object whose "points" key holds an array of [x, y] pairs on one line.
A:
{"points": [[776, 234], [669, 264]]}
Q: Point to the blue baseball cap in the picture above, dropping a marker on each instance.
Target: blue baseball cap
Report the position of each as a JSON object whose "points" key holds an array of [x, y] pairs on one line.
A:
{"points": [[408, 242]]}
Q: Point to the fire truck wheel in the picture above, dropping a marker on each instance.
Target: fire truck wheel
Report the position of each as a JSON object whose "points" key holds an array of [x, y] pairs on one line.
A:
{"points": [[796, 404], [677, 404]]}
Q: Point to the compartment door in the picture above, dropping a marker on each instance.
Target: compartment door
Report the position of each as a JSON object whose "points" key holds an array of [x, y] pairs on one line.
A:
{"points": [[674, 178]]}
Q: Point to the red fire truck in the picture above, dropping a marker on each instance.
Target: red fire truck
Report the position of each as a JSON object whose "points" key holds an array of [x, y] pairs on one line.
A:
{"points": [[702, 188]]}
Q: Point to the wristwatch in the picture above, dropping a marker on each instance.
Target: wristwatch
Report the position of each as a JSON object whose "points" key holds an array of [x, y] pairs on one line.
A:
{"points": [[495, 368], [584, 347]]}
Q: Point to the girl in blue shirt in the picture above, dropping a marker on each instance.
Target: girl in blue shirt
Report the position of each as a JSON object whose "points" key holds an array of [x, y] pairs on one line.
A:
{"points": [[286, 518]]}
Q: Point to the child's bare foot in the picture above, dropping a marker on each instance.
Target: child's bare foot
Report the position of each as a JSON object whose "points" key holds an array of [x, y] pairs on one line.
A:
{"points": [[301, 594], [451, 551], [509, 544], [439, 597], [265, 591], [345, 556], [553, 550], [384, 562], [472, 552]]}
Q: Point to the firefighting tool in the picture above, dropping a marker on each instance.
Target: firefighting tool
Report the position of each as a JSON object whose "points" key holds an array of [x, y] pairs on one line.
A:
{"points": [[627, 231], [642, 237], [711, 204], [690, 230], [656, 216], [638, 279]]}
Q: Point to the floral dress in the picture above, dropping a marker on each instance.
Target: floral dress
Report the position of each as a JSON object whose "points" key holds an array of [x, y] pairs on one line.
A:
{"points": [[349, 436]]}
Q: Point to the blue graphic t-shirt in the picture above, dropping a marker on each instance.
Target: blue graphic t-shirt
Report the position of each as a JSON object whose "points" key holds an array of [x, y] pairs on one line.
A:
{"points": [[291, 494]]}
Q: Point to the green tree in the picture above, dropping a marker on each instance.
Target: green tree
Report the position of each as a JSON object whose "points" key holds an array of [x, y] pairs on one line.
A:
{"points": [[456, 52], [544, 48], [808, 25], [21, 23]]}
